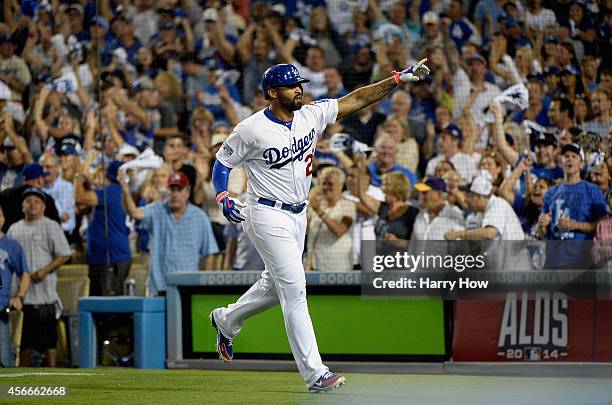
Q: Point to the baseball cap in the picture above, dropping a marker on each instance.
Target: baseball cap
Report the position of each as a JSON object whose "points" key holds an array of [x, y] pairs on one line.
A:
{"points": [[431, 183], [477, 57], [169, 25], [34, 191], [41, 9], [522, 43], [430, 17], [128, 149], [570, 70], [210, 14], [510, 22], [573, 147], [66, 149], [279, 9], [546, 138], [33, 171], [76, 7], [178, 179], [453, 130], [551, 70], [481, 185], [551, 39]]}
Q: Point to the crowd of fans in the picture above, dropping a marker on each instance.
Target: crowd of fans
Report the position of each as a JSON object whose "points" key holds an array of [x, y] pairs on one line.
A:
{"points": [[507, 139]]}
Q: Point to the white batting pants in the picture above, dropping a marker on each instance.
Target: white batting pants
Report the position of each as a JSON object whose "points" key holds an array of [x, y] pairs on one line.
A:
{"points": [[278, 236]]}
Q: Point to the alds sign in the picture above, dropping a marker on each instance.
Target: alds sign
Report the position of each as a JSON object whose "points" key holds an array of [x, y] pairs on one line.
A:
{"points": [[535, 329], [542, 326]]}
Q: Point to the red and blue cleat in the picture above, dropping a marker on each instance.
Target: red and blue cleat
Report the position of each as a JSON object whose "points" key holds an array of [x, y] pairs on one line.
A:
{"points": [[224, 344], [327, 382]]}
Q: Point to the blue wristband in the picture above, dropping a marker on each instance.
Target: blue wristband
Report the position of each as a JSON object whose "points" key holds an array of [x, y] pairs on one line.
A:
{"points": [[220, 176]]}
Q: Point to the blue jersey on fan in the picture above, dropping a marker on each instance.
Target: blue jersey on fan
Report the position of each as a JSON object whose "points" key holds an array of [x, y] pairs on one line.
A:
{"points": [[582, 202], [12, 260], [116, 247]]}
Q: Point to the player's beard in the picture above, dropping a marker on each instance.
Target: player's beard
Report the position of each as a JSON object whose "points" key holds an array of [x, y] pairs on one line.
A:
{"points": [[293, 103]]}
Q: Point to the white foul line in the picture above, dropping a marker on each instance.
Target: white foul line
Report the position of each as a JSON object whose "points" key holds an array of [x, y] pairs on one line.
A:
{"points": [[11, 375]]}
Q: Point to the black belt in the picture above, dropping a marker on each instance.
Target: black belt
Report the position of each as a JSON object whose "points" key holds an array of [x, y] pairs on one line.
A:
{"points": [[293, 208]]}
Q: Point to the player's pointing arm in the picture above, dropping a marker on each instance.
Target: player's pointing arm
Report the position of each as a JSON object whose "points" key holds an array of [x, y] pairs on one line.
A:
{"points": [[364, 96]]}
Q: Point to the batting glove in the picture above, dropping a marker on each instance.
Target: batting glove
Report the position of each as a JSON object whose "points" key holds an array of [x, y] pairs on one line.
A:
{"points": [[232, 209], [412, 73]]}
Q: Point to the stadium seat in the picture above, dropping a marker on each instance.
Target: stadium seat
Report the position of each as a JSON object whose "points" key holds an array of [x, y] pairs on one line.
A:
{"points": [[16, 319], [69, 290]]}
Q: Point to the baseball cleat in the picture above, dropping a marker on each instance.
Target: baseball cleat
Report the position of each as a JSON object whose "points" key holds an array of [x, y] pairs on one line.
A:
{"points": [[224, 344], [327, 382]]}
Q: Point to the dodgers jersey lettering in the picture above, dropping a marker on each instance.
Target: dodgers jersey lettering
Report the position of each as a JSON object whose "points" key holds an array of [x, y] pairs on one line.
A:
{"points": [[278, 156]]}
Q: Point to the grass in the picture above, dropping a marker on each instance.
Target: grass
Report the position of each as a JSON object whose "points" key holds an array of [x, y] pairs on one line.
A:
{"points": [[129, 386]]}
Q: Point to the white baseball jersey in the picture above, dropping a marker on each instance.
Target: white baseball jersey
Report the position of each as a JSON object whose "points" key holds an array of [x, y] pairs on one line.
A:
{"points": [[279, 155]]}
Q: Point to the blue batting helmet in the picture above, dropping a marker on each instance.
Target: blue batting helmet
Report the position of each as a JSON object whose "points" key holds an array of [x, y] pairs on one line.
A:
{"points": [[279, 75]]}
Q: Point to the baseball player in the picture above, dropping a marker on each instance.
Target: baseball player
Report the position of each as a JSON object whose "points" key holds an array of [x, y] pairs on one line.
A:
{"points": [[277, 146]]}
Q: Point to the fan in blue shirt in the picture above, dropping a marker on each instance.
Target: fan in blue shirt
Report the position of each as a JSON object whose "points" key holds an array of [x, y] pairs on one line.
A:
{"points": [[12, 261], [570, 213]]}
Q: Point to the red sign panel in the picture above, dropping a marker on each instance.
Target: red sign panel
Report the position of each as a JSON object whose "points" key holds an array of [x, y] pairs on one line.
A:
{"points": [[542, 327]]}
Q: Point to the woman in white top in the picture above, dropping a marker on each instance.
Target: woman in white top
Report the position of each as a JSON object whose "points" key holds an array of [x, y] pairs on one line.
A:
{"points": [[330, 218]]}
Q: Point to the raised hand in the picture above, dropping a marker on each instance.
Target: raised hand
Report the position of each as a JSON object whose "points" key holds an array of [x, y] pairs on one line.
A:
{"points": [[413, 73], [544, 220]]}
